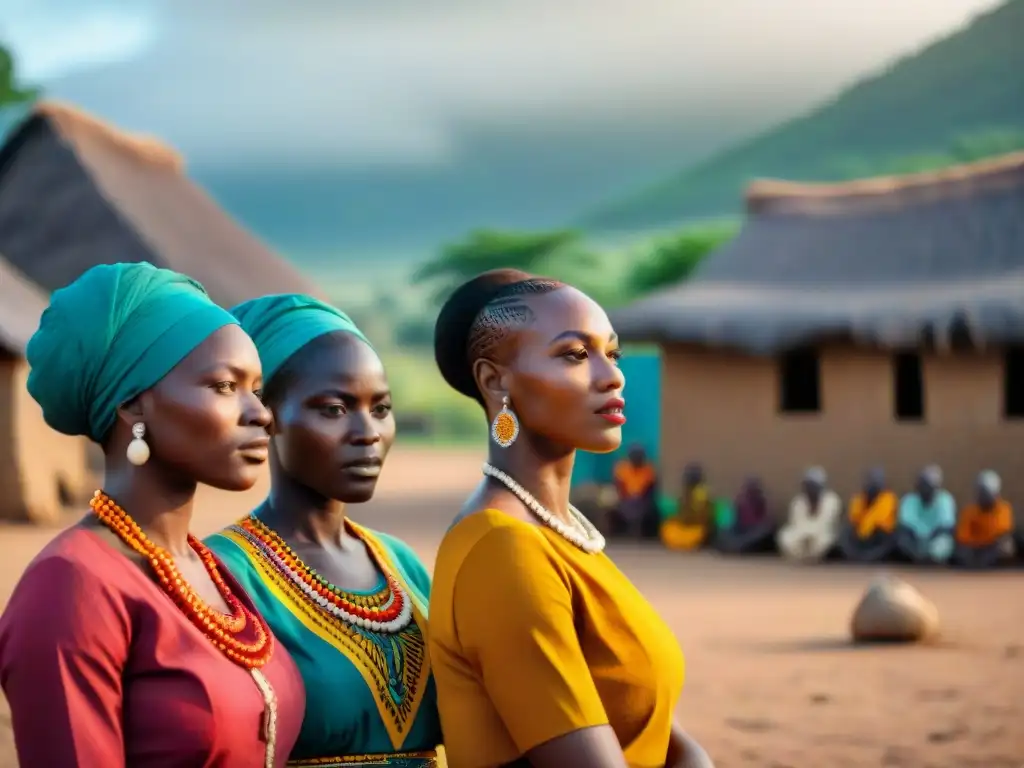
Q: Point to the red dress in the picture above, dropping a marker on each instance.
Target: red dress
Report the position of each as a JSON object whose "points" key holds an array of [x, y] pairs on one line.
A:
{"points": [[102, 670]]}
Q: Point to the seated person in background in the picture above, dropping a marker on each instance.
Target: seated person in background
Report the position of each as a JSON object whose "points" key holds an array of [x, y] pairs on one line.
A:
{"points": [[927, 520], [753, 528], [815, 516], [869, 531], [688, 529], [984, 532], [636, 482]]}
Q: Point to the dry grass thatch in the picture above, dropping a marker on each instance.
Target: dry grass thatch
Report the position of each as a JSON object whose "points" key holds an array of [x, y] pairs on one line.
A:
{"points": [[75, 124], [918, 260], [774, 195]]}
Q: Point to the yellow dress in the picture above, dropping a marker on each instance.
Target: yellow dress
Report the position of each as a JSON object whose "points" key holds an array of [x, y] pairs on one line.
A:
{"points": [[682, 537], [881, 514], [688, 529], [531, 638]]}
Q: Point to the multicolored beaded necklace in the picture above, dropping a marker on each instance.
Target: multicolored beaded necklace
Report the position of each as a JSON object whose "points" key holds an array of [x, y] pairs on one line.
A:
{"points": [[223, 630], [388, 611]]}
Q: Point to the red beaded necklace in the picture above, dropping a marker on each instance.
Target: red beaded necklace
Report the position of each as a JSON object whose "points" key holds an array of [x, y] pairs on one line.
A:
{"points": [[223, 630], [386, 606]]}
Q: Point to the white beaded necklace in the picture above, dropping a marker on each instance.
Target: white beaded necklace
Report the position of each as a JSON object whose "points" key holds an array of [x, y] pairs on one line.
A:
{"points": [[581, 533], [392, 627]]}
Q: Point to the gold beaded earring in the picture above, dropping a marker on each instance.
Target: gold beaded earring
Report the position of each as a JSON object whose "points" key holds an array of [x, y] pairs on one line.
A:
{"points": [[505, 427], [138, 449]]}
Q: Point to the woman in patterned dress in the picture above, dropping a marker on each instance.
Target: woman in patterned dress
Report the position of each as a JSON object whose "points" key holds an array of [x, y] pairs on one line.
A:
{"points": [[350, 603]]}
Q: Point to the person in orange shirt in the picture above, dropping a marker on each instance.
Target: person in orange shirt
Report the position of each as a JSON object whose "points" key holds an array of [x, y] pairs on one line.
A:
{"points": [[869, 531], [636, 482], [984, 530]]}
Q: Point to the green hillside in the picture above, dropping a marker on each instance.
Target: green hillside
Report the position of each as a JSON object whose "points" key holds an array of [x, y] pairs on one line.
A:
{"points": [[960, 98]]}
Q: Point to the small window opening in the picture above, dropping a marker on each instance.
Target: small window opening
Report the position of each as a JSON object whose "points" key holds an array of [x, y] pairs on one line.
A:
{"points": [[800, 381], [908, 387], [1013, 383]]}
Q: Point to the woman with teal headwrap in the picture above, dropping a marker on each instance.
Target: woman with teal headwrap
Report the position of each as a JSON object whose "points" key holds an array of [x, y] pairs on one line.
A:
{"points": [[350, 603], [124, 642]]}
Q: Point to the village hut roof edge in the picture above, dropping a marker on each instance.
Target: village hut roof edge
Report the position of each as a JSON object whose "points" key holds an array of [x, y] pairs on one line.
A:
{"points": [[131, 201], [886, 262]]}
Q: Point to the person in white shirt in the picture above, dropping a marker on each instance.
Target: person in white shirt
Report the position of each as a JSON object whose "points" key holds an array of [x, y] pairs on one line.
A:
{"points": [[815, 520]]}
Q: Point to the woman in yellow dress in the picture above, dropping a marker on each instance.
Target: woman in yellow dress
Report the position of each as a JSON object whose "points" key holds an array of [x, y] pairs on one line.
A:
{"points": [[544, 653]]}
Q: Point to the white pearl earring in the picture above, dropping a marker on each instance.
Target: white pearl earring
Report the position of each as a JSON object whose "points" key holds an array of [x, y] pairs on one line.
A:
{"points": [[138, 449]]}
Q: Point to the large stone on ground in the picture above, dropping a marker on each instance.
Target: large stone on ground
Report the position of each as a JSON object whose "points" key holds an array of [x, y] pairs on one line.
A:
{"points": [[893, 611]]}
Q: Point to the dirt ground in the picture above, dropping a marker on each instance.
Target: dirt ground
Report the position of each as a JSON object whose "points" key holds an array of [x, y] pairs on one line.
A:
{"points": [[771, 682]]}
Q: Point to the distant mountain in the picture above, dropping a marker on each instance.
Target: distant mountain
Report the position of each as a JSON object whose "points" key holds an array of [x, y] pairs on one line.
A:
{"points": [[334, 218], [968, 85], [403, 214]]}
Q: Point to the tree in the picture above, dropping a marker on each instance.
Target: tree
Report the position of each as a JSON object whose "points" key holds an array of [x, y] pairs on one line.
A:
{"points": [[414, 332], [485, 250], [988, 143], [672, 259], [10, 92]]}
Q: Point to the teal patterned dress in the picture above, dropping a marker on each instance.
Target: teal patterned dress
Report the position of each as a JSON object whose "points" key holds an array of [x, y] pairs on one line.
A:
{"points": [[370, 696]]}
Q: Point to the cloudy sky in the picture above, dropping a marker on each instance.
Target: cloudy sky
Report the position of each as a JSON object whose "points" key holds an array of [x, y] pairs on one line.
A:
{"points": [[383, 128], [402, 82]]}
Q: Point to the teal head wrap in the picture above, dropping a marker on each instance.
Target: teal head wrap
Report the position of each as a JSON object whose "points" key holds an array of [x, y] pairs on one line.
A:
{"points": [[111, 335], [282, 324]]}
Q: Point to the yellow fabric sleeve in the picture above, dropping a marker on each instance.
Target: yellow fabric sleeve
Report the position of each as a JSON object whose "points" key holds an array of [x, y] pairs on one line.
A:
{"points": [[881, 514], [857, 509], [513, 616]]}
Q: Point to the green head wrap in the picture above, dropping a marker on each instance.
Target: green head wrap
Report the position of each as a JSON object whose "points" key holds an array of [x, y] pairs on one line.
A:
{"points": [[111, 335], [282, 324]]}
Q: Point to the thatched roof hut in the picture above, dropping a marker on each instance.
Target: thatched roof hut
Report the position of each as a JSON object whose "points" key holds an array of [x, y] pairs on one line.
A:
{"points": [[75, 192], [21, 305], [890, 261], [876, 321], [39, 469]]}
